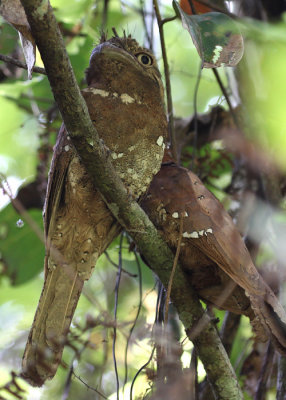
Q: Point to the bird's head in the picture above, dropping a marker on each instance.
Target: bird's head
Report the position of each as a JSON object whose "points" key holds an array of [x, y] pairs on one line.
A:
{"points": [[120, 63]]}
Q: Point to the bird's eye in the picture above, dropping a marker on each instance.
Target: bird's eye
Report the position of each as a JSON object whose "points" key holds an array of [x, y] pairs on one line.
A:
{"points": [[144, 59]]}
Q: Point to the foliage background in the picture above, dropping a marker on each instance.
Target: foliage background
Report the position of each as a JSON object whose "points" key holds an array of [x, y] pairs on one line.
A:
{"points": [[29, 123]]}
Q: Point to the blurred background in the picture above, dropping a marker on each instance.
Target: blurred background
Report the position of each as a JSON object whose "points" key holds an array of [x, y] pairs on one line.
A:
{"points": [[236, 143]]}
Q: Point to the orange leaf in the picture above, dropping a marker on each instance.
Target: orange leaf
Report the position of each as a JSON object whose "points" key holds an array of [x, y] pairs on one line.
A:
{"points": [[200, 8]]}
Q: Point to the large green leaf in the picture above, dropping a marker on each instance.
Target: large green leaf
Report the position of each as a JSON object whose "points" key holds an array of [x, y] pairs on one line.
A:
{"points": [[22, 251]]}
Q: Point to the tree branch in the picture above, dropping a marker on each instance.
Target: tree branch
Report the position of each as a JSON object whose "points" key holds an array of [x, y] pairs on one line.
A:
{"points": [[18, 63], [97, 162]]}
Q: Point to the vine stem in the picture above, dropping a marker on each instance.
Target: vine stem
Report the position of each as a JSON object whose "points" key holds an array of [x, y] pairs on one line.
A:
{"points": [[168, 82]]}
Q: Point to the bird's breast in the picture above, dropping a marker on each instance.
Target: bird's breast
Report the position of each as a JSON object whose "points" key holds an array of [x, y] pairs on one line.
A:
{"points": [[134, 130]]}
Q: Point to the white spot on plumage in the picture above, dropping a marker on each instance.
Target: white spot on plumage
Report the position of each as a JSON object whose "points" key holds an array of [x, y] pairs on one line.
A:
{"points": [[201, 233], [192, 235], [175, 215], [160, 141], [126, 99], [100, 92], [186, 235], [67, 147]]}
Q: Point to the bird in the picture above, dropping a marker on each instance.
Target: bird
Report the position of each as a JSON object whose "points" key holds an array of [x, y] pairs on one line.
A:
{"points": [[212, 254], [125, 100]]}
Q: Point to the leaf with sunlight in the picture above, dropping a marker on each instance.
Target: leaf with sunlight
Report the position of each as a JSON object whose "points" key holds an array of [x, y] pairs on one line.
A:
{"points": [[216, 36]]}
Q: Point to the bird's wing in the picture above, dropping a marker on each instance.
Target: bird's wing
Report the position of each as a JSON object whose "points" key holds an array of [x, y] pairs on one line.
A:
{"points": [[178, 193]]}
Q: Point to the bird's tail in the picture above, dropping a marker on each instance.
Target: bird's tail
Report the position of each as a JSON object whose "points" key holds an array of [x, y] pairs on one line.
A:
{"points": [[47, 338], [270, 314]]}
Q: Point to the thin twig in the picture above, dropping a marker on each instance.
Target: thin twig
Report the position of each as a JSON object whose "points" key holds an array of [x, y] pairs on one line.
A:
{"points": [[118, 277], [89, 387], [76, 356], [152, 352], [160, 340], [168, 82], [193, 385], [140, 370], [281, 374], [281, 380], [205, 319], [136, 317], [12, 387], [169, 19], [143, 15], [116, 266], [224, 92], [104, 15], [192, 7], [161, 301], [229, 330], [265, 372], [20, 64], [196, 116], [67, 386], [168, 294]]}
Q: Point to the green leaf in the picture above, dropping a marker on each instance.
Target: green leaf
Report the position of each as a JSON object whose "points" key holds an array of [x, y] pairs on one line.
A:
{"points": [[22, 251], [216, 36], [72, 12], [14, 89]]}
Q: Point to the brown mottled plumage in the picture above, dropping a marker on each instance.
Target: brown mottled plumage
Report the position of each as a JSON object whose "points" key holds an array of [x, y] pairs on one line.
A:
{"points": [[125, 102], [213, 254]]}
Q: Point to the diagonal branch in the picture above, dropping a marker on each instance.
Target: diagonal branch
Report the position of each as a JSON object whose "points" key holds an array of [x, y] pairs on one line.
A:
{"points": [[97, 162], [18, 63]]}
